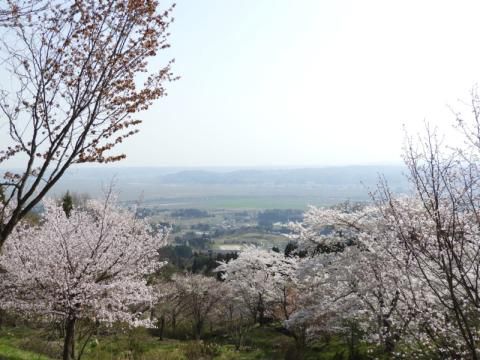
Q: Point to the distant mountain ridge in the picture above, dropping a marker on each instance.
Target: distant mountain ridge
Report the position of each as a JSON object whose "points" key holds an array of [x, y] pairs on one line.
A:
{"points": [[346, 175], [338, 175], [218, 187]]}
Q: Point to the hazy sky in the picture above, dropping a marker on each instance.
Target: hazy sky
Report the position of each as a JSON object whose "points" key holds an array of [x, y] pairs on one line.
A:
{"points": [[307, 82]]}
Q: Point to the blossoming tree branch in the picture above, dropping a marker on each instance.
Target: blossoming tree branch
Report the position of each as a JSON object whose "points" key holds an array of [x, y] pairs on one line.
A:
{"points": [[80, 75]]}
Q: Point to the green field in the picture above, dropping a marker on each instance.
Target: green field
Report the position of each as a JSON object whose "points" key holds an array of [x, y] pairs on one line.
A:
{"points": [[257, 238], [257, 202]]}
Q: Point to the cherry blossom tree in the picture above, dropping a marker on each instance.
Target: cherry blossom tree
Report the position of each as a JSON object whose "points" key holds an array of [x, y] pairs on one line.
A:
{"points": [[167, 306], [405, 267], [412, 262], [315, 310], [91, 264], [356, 271], [79, 74], [262, 279], [11, 10], [199, 297], [234, 315], [439, 229]]}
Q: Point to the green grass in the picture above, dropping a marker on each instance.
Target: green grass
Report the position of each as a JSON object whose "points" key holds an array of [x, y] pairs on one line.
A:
{"points": [[261, 343], [140, 345], [8, 350]]}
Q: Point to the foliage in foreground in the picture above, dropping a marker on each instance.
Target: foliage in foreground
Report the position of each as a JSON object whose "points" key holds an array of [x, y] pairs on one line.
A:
{"points": [[88, 264], [21, 343]]}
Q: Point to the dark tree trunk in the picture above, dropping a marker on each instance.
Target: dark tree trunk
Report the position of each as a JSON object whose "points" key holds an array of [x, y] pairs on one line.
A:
{"points": [[161, 328], [390, 339], [285, 303], [261, 310], [239, 338], [198, 327], [69, 341], [300, 343]]}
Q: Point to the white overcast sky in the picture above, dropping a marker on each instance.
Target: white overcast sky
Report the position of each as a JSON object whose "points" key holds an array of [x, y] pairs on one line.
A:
{"points": [[307, 82]]}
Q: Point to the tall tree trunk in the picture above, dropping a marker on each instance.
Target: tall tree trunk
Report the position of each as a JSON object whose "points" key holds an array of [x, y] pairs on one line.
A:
{"points": [[198, 327], [285, 303], [2, 317], [300, 342], [69, 341], [261, 310], [161, 328]]}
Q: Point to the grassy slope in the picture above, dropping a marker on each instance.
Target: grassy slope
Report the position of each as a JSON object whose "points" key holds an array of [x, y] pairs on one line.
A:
{"points": [[260, 344], [140, 345], [9, 350]]}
